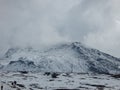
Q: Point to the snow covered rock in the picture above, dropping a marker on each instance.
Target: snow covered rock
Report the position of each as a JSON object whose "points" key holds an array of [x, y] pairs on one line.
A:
{"points": [[20, 65], [68, 57]]}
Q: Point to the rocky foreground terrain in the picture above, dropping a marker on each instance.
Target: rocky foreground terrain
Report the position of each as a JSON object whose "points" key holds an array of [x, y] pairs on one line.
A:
{"points": [[58, 81]]}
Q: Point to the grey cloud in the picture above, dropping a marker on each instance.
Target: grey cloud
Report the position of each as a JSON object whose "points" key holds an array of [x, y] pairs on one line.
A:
{"points": [[38, 23], [88, 16], [32, 22]]}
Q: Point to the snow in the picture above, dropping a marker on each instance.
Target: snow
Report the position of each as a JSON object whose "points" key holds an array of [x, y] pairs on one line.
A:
{"points": [[38, 81], [68, 57], [78, 67]]}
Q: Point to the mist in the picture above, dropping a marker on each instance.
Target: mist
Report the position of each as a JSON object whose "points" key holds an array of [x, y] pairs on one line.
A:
{"points": [[39, 23]]}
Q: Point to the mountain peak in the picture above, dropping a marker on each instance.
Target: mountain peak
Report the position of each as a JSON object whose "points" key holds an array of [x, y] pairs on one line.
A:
{"points": [[67, 57]]}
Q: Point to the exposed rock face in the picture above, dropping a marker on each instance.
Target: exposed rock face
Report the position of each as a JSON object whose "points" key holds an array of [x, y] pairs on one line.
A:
{"points": [[21, 65]]}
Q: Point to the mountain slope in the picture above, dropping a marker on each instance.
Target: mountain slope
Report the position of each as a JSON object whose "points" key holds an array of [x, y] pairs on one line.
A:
{"points": [[69, 57]]}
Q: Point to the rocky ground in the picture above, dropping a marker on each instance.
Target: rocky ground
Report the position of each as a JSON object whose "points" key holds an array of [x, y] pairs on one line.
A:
{"points": [[58, 81]]}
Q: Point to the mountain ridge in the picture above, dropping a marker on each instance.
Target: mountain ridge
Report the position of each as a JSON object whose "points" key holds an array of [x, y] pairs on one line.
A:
{"points": [[70, 57]]}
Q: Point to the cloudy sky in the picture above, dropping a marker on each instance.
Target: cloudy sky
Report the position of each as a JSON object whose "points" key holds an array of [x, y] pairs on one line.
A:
{"points": [[45, 22]]}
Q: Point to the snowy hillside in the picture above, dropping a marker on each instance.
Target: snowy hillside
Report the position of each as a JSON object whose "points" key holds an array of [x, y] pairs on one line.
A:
{"points": [[64, 81], [69, 57]]}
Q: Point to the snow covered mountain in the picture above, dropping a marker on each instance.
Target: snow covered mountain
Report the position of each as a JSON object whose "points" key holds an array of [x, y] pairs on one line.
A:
{"points": [[68, 57]]}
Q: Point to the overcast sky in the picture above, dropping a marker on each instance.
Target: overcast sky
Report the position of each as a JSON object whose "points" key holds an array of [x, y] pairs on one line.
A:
{"points": [[44, 22]]}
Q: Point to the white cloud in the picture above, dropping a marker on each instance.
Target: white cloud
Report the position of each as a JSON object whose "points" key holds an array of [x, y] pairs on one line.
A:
{"points": [[46, 22], [108, 35], [32, 22]]}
